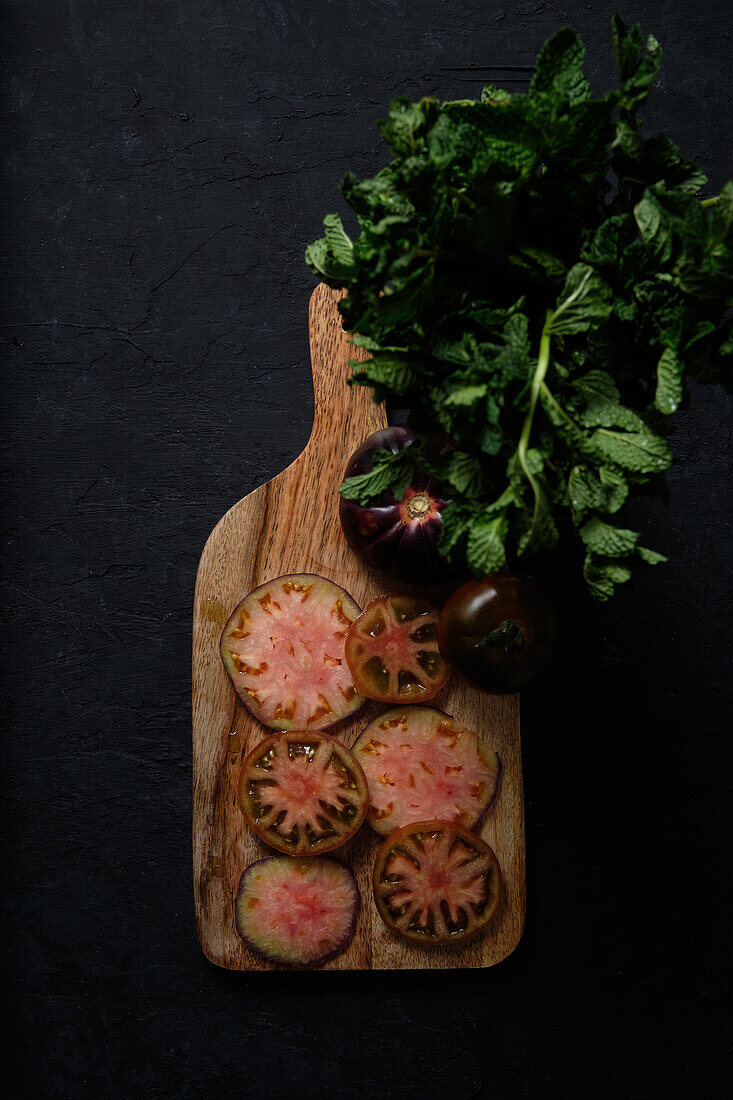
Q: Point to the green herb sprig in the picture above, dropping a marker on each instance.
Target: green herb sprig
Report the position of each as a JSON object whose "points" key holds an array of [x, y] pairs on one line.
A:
{"points": [[534, 279]]}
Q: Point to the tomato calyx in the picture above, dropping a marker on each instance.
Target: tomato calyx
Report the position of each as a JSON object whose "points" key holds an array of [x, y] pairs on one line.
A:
{"points": [[508, 635], [418, 506]]}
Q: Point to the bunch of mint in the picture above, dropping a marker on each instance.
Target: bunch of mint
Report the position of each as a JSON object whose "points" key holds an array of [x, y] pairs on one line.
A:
{"points": [[534, 278]]}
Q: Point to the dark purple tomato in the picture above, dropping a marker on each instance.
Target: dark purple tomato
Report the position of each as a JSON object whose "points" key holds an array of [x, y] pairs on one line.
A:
{"points": [[498, 632], [400, 536]]}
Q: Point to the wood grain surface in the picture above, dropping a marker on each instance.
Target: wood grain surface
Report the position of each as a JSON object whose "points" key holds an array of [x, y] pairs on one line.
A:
{"points": [[291, 525]]}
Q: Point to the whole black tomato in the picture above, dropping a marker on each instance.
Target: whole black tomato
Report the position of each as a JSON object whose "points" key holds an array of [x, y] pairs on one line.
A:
{"points": [[498, 632], [398, 535]]}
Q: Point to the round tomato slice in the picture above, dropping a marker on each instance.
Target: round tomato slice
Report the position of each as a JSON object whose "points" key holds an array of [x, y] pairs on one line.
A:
{"points": [[284, 650], [392, 651], [435, 882], [420, 765], [303, 793], [298, 911]]}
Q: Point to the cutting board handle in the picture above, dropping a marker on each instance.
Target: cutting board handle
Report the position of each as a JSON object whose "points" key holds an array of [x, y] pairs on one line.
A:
{"points": [[335, 402]]}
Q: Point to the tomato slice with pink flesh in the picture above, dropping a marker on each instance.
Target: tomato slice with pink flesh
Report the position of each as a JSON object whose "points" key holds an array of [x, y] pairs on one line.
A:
{"points": [[299, 910], [436, 882], [284, 650], [392, 651], [423, 765], [303, 793]]}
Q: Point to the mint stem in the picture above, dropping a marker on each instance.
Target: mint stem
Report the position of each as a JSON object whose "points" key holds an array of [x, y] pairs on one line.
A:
{"points": [[543, 362]]}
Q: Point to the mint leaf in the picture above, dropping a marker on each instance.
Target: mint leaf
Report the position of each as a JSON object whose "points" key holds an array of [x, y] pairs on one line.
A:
{"points": [[490, 439], [496, 97], [482, 139], [332, 257], [595, 490], [656, 232], [721, 215], [637, 60], [389, 472], [456, 519], [404, 126], [559, 70], [669, 381], [603, 538], [538, 265], [464, 473], [602, 576], [584, 302], [467, 396], [485, 550], [607, 243], [641, 452], [384, 371], [651, 557]]}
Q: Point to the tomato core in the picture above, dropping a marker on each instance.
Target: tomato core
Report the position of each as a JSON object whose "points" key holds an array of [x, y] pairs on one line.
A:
{"points": [[418, 506]]}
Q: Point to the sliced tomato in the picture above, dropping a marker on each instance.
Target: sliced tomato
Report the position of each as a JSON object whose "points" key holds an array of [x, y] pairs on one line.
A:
{"points": [[299, 911], [303, 793], [284, 650], [392, 651], [420, 765], [436, 882]]}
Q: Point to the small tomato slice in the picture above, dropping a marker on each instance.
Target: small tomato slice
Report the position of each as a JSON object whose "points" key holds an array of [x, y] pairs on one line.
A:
{"points": [[298, 911], [303, 793], [423, 765], [284, 650], [392, 651], [436, 883]]}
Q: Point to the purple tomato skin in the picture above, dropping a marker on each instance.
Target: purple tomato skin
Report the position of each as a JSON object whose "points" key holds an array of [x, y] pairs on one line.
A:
{"points": [[400, 536]]}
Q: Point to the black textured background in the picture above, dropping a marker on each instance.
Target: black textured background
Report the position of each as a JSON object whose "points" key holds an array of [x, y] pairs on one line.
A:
{"points": [[167, 161]]}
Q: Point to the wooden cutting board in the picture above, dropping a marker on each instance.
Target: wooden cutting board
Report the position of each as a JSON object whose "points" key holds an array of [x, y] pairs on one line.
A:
{"points": [[291, 525]]}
